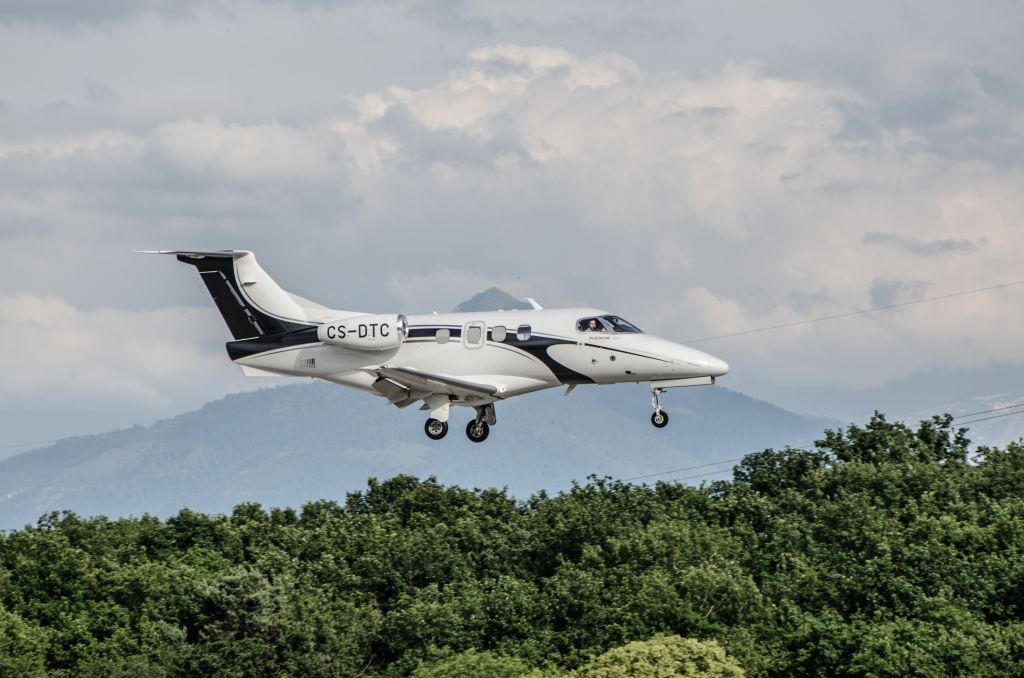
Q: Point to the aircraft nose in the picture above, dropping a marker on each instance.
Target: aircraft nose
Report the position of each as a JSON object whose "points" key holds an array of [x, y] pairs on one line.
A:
{"points": [[716, 366], [709, 364]]}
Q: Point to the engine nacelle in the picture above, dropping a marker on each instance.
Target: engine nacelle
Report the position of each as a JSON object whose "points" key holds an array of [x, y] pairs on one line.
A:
{"points": [[365, 332]]}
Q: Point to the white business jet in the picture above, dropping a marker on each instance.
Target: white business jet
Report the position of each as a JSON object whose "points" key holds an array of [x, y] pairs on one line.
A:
{"points": [[469, 359]]}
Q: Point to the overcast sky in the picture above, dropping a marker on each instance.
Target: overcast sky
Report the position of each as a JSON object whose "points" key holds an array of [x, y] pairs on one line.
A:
{"points": [[699, 167]]}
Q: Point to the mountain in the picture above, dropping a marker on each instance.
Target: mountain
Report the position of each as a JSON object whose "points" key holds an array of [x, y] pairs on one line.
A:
{"points": [[959, 392], [287, 445], [492, 299]]}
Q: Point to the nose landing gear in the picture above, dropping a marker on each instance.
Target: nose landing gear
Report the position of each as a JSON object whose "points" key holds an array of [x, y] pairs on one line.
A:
{"points": [[660, 417]]}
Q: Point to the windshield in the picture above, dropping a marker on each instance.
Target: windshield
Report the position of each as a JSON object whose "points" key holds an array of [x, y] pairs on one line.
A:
{"points": [[606, 323], [620, 325]]}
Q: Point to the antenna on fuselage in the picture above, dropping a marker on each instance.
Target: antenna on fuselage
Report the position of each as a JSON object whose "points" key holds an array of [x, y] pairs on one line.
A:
{"points": [[536, 306]]}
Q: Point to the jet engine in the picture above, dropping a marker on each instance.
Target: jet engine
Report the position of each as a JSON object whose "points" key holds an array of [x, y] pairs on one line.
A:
{"points": [[365, 332]]}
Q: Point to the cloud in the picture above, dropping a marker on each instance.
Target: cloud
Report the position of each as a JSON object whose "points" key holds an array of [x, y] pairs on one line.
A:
{"points": [[68, 13], [885, 292], [56, 355], [921, 248], [695, 203], [262, 153]]}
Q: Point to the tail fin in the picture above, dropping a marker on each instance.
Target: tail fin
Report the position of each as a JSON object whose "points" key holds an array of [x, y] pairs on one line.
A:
{"points": [[251, 303]]}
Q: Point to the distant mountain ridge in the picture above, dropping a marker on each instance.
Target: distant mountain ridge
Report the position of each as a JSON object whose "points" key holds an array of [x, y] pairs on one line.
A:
{"points": [[287, 445]]}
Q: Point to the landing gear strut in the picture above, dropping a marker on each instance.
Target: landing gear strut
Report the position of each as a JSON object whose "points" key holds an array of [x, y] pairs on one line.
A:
{"points": [[660, 417], [436, 429], [478, 429]]}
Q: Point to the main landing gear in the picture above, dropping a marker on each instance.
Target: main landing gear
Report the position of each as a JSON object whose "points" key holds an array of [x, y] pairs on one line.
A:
{"points": [[436, 429], [660, 416], [477, 429]]}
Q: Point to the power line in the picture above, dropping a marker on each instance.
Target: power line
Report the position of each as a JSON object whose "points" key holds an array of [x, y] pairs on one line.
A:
{"points": [[679, 470], [994, 409], [648, 475], [701, 475], [998, 416], [853, 313], [805, 447], [714, 463]]}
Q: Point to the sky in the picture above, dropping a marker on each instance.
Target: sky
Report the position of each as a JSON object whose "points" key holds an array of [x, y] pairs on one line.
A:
{"points": [[701, 168]]}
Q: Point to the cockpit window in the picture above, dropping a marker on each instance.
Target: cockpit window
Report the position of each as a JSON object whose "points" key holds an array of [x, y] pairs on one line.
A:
{"points": [[620, 325], [606, 323], [591, 325]]}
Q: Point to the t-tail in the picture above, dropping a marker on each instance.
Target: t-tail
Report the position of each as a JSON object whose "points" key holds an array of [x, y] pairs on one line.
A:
{"points": [[252, 304]]}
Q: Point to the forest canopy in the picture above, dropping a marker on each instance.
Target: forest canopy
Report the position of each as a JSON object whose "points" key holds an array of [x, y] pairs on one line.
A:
{"points": [[883, 550]]}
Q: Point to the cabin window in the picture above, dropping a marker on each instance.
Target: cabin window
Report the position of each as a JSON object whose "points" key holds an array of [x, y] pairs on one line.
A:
{"points": [[474, 334], [498, 333], [442, 336], [524, 332]]}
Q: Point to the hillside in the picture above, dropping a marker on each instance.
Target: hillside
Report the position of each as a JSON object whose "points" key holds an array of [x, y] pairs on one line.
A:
{"points": [[288, 445]]}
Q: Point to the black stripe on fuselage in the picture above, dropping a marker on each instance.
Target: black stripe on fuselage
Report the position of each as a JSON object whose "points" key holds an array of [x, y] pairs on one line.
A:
{"points": [[536, 346], [270, 342]]}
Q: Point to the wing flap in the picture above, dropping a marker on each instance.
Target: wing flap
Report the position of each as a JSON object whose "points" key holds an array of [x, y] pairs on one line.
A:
{"points": [[403, 386]]}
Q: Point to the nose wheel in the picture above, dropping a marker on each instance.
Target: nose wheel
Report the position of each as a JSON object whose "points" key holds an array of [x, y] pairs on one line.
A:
{"points": [[436, 429], [660, 416]]}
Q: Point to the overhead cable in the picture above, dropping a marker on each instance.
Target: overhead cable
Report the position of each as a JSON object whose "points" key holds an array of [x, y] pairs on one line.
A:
{"points": [[848, 314]]}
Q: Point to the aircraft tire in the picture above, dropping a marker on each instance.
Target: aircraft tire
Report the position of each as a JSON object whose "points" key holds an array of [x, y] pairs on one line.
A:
{"points": [[477, 432], [435, 429], [660, 419]]}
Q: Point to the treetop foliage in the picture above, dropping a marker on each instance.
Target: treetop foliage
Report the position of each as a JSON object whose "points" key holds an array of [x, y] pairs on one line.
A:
{"points": [[884, 550]]}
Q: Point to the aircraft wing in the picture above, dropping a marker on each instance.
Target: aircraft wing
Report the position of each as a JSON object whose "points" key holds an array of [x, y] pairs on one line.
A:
{"points": [[403, 386]]}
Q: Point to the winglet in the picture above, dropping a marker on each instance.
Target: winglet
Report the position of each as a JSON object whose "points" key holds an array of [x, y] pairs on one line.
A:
{"points": [[536, 306]]}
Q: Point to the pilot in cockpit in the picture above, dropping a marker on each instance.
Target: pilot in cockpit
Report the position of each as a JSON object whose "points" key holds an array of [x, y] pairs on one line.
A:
{"points": [[594, 326]]}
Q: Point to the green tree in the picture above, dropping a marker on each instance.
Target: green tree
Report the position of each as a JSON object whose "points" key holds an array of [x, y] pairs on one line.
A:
{"points": [[474, 664], [662, 657]]}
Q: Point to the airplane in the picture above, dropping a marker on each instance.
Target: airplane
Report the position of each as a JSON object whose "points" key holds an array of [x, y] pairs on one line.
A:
{"points": [[472, 359]]}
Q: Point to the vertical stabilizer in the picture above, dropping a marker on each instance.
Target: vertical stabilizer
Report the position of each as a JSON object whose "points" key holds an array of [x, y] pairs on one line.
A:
{"points": [[249, 300]]}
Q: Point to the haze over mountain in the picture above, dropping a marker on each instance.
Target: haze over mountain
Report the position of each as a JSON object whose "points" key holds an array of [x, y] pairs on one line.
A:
{"points": [[292, 444], [307, 441]]}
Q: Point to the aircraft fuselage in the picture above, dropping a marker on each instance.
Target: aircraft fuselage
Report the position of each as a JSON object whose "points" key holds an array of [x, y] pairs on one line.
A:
{"points": [[517, 351]]}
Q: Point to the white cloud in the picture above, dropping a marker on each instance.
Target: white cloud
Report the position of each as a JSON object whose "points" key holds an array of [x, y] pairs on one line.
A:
{"points": [[63, 146], [735, 188], [695, 203], [249, 153], [54, 354]]}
